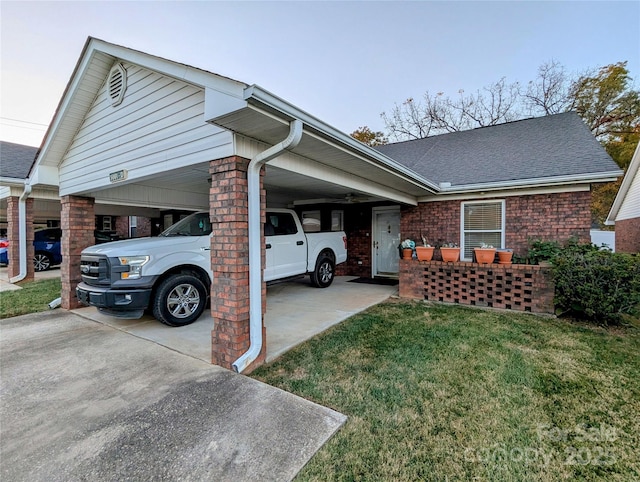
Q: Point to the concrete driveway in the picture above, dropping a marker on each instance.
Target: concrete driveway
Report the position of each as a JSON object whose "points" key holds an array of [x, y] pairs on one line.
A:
{"points": [[85, 401], [296, 312]]}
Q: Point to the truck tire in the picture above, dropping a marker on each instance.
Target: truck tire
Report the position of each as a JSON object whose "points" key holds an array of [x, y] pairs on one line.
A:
{"points": [[322, 275], [180, 300]]}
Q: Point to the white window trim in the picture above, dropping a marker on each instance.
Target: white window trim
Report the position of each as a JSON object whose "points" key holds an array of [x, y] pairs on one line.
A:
{"points": [[502, 221]]}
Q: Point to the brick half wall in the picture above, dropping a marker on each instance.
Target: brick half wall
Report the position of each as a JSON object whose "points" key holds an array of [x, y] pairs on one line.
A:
{"points": [[514, 287]]}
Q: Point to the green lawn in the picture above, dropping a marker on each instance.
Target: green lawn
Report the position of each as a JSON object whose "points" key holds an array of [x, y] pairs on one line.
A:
{"points": [[438, 392], [33, 297]]}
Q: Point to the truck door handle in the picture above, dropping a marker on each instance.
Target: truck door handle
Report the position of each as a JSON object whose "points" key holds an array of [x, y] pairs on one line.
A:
{"points": [[268, 246], [300, 243], [206, 249]]}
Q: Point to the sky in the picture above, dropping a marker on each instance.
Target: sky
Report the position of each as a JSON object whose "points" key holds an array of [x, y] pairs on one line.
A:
{"points": [[343, 62]]}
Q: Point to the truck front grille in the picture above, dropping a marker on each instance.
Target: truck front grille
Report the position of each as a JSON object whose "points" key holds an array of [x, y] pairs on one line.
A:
{"points": [[95, 270]]}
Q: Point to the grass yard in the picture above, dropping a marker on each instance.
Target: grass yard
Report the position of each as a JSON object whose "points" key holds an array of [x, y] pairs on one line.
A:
{"points": [[438, 392], [33, 297]]}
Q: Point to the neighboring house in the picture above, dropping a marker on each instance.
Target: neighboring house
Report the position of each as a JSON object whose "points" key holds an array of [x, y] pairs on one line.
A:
{"points": [[625, 211], [141, 131], [16, 194]]}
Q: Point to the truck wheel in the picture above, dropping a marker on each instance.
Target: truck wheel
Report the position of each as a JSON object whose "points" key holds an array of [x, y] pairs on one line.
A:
{"points": [[322, 275], [180, 300], [41, 262]]}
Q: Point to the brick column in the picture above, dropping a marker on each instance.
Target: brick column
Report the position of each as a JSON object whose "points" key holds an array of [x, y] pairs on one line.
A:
{"points": [[13, 236], [230, 262], [78, 223]]}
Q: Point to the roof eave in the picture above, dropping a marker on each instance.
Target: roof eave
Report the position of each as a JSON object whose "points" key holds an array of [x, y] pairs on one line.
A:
{"points": [[256, 93], [589, 178], [12, 181]]}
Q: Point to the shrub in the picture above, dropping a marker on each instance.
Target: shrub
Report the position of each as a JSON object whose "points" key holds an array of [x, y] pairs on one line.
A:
{"points": [[596, 284], [542, 251]]}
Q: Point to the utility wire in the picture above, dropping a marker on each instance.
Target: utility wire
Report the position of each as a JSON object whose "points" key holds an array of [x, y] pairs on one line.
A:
{"points": [[25, 122]]}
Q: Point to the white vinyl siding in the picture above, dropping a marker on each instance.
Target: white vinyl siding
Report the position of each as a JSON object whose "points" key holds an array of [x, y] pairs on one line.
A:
{"points": [[159, 126], [630, 207], [482, 222]]}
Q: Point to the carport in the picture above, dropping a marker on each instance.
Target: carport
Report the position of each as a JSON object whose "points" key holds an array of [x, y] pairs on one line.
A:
{"points": [[144, 132]]}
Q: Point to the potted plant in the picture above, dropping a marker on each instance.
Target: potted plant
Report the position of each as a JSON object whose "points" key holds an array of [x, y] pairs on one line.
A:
{"points": [[505, 256], [450, 252], [485, 254], [407, 247], [424, 252]]}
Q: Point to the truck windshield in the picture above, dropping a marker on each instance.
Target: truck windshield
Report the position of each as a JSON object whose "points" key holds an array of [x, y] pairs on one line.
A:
{"points": [[196, 224]]}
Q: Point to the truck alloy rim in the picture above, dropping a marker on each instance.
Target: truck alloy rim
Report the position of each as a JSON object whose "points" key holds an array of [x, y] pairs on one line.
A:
{"points": [[183, 301], [325, 272]]}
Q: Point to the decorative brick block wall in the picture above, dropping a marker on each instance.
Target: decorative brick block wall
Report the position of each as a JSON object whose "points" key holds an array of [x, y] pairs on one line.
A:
{"points": [[230, 262], [517, 287], [77, 223], [558, 216], [13, 236], [628, 235]]}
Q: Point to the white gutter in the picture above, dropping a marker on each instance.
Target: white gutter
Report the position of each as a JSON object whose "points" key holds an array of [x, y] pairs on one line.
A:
{"points": [[255, 246], [22, 233], [535, 182]]}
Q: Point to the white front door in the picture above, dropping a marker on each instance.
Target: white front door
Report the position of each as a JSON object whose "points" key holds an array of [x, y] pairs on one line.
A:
{"points": [[386, 238]]}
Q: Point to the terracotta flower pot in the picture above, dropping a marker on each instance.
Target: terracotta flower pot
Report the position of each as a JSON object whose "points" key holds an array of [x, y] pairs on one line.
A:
{"points": [[406, 253], [425, 253], [485, 255], [504, 257], [450, 254]]}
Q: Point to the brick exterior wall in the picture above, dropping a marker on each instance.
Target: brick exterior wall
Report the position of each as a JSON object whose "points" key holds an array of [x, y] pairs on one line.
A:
{"points": [[13, 236], [628, 235], [357, 225], [121, 226], [230, 262], [78, 224], [558, 216], [143, 226], [514, 287]]}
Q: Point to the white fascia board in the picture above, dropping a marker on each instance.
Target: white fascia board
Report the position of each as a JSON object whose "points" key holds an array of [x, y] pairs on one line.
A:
{"points": [[12, 181], [46, 175], [491, 194], [307, 167], [589, 178], [290, 111], [217, 104], [632, 171]]}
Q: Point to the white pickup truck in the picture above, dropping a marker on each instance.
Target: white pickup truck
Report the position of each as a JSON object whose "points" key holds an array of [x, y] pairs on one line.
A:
{"points": [[170, 275]]}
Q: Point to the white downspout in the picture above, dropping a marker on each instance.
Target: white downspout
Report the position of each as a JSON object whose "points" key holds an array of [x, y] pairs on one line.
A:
{"points": [[255, 247], [22, 233]]}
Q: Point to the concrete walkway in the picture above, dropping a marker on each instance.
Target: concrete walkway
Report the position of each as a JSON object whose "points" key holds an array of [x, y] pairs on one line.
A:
{"points": [[6, 286], [85, 401]]}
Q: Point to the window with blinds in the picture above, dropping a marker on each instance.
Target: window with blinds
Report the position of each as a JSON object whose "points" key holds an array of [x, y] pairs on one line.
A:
{"points": [[482, 222]]}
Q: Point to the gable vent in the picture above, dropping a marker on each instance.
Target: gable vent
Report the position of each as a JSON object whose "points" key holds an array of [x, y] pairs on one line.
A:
{"points": [[117, 84]]}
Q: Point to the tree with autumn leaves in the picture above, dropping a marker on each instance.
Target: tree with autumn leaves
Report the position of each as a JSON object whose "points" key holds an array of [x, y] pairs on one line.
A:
{"points": [[604, 98]]}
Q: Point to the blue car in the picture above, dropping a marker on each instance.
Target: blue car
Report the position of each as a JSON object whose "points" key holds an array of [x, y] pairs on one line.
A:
{"points": [[47, 249]]}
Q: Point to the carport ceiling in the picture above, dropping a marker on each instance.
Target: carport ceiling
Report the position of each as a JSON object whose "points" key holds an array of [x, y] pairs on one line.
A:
{"points": [[283, 187]]}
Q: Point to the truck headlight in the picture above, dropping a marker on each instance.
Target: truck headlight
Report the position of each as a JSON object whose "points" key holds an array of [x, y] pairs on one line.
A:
{"points": [[135, 264]]}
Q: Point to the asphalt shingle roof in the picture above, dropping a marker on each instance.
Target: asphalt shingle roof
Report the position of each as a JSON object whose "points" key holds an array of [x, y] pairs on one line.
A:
{"points": [[551, 146], [16, 159]]}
